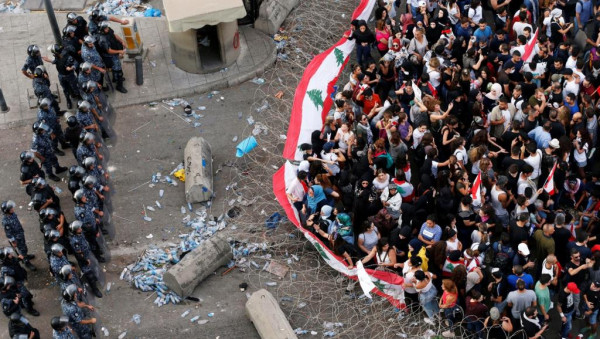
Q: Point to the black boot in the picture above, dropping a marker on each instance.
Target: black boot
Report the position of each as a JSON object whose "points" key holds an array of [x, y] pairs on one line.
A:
{"points": [[95, 290], [61, 169], [29, 265], [69, 103], [30, 256], [54, 177], [119, 76], [33, 311], [59, 152]]}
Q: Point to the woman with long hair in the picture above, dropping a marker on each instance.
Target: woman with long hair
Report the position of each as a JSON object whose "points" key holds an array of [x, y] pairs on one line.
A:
{"points": [[581, 146]]}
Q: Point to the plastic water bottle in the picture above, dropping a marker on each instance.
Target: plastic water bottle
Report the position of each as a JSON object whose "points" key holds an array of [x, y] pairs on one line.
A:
{"points": [[161, 193], [105, 331], [194, 318], [136, 319], [184, 314], [182, 210], [158, 204], [57, 190], [122, 335], [271, 283]]}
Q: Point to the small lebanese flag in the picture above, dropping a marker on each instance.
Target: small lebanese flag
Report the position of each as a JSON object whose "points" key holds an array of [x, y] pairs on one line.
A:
{"points": [[549, 185], [476, 189], [530, 48]]}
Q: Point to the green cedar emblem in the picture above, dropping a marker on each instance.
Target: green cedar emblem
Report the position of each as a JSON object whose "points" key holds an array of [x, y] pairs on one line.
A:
{"points": [[321, 251], [315, 96], [339, 56]]}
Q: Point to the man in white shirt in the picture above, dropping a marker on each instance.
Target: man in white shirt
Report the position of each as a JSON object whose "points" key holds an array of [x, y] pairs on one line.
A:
{"points": [[571, 85]]}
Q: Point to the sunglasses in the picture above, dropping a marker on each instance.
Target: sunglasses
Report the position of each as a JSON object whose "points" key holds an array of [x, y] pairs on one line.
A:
{"points": [[396, 45]]}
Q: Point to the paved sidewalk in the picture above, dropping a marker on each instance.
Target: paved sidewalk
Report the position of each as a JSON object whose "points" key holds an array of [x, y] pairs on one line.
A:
{"points": [[162, 79]]}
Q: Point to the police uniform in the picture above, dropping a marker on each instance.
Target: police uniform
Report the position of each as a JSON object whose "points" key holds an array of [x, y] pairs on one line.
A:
{"points": [[66, 78], [31, 62], [56, 263], [108, 41], [80, 27], [12, 267], [51, 119], [14, 232], [84, 77], [30, 171], [41, 88], [63, 334], [84, 151], [72, 46], [75, 314], [86, 215], [92, 197], [8, 304], [42, 144], [93, 25], [91, 55]]}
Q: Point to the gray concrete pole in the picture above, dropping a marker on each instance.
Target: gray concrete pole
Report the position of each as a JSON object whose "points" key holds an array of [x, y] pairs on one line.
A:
{"points": [[3, 107], [139, 71], [53, 23]]}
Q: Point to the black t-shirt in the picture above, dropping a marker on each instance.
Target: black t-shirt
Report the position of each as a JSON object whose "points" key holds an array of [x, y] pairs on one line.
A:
{"points": [[555, 98], [529, 125], [566, 301], [530, 327], [578, 278], [528, 89], [517, 234], [561, 239], [507, 161], [557, 130], [594, 298]]}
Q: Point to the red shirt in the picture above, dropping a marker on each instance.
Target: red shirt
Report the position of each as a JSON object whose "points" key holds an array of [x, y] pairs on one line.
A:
{"points": [[369, 104]]}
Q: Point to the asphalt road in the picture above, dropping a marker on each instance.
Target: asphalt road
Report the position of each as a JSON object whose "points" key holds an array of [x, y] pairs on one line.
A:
{"points": [[150, 140]]}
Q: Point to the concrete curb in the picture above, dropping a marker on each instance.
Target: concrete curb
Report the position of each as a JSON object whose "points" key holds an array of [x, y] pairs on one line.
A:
{"points": [[214, 85]]}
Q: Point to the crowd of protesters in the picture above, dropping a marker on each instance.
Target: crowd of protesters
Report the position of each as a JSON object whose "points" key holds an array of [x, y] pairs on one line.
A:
{"points": [[461, 155]]}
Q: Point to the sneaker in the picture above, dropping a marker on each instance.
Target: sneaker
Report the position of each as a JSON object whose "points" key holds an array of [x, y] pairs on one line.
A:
{"points": [[448, 334], [428, 321]]}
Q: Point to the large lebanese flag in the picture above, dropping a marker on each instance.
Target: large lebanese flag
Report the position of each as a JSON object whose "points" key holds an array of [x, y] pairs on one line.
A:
{"points": [[530, 48], [549, 185], [312, 102], [476, 189]]}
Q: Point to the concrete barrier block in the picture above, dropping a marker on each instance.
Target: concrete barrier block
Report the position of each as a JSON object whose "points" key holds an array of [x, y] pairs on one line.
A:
{"points": [[272, 13], [198, 170], [268, 318], [198, 264]]}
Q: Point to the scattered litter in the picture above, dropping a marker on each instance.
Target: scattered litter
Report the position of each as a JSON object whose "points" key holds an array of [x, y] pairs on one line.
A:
{"points": [[14, 6], [57, 190], [235, 139], [271, 283], [314, 332], [302, 305], [250, 120], [273, 221], [277, 269], [150, 208], [211, 314], [176, 102], [202, 322], [260, 128], [329, 325], [183, 210], [137, 319], [282, 56], [158, 204], [202, 108], [122, 335], [279, 95], [184, 314], [105, 331], [282, 136], [246, 146], [135, 8], [329, 334], [243, 286], [194, 318], [263, 107], [300, 331], [149, 236], [108, 286], [148, 219], [258, 81], [161, 193]]}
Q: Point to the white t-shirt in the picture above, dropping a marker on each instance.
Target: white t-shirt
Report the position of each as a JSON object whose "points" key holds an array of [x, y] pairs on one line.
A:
{"points": [[547, 22], [296, 189], [476, 14], [343, 139], [571, 63], [519, 27], [536, 163], [461, 155], [335, 167], [417, 136], [452, 12], [435, 78], [570, 87], [581, 157]]}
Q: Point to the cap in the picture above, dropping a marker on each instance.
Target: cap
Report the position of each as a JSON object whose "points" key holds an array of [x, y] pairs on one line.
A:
{"points": [[555, 77], [554, 143], [556, 13], [494, 313], [573, 288], [328, 146], [595, 248], [422, 3], [523, 248], [392, 186]]}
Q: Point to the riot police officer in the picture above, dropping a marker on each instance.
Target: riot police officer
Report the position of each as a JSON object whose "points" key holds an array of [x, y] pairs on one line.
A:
{"points": [[83, 253], [72, 133], [87, 148], [65, 66], [76, 174], [91, 167], [67, 277], [80, 24], [91, 55], [97, 17], [88, 73], [42, 147], [43, 196], [41, 88], [58, 259], [98, 105], [112, 49], [13, 299], [29, 169], [87, 117], [33, 60], [61, 329], [84, 213], [18, 328], [47, 115], [74, 310], [72, 45], [15, 233]]}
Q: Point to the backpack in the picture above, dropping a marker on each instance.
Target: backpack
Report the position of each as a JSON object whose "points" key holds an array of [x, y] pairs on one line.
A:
{"points": [[503, 258]]}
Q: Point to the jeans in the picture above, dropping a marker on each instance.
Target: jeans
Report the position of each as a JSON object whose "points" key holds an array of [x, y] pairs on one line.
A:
{"points": [[501, 305], [504, 219], [566, 327], [363, 54], [475, 326], [429, 303], [449, 314]]}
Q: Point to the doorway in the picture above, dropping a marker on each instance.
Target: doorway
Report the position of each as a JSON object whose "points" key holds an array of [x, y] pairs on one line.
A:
{"points": [[209, 47]]}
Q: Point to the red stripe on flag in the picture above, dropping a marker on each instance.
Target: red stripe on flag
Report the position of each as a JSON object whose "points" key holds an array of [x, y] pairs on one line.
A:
{"points": [[529, 47]]}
